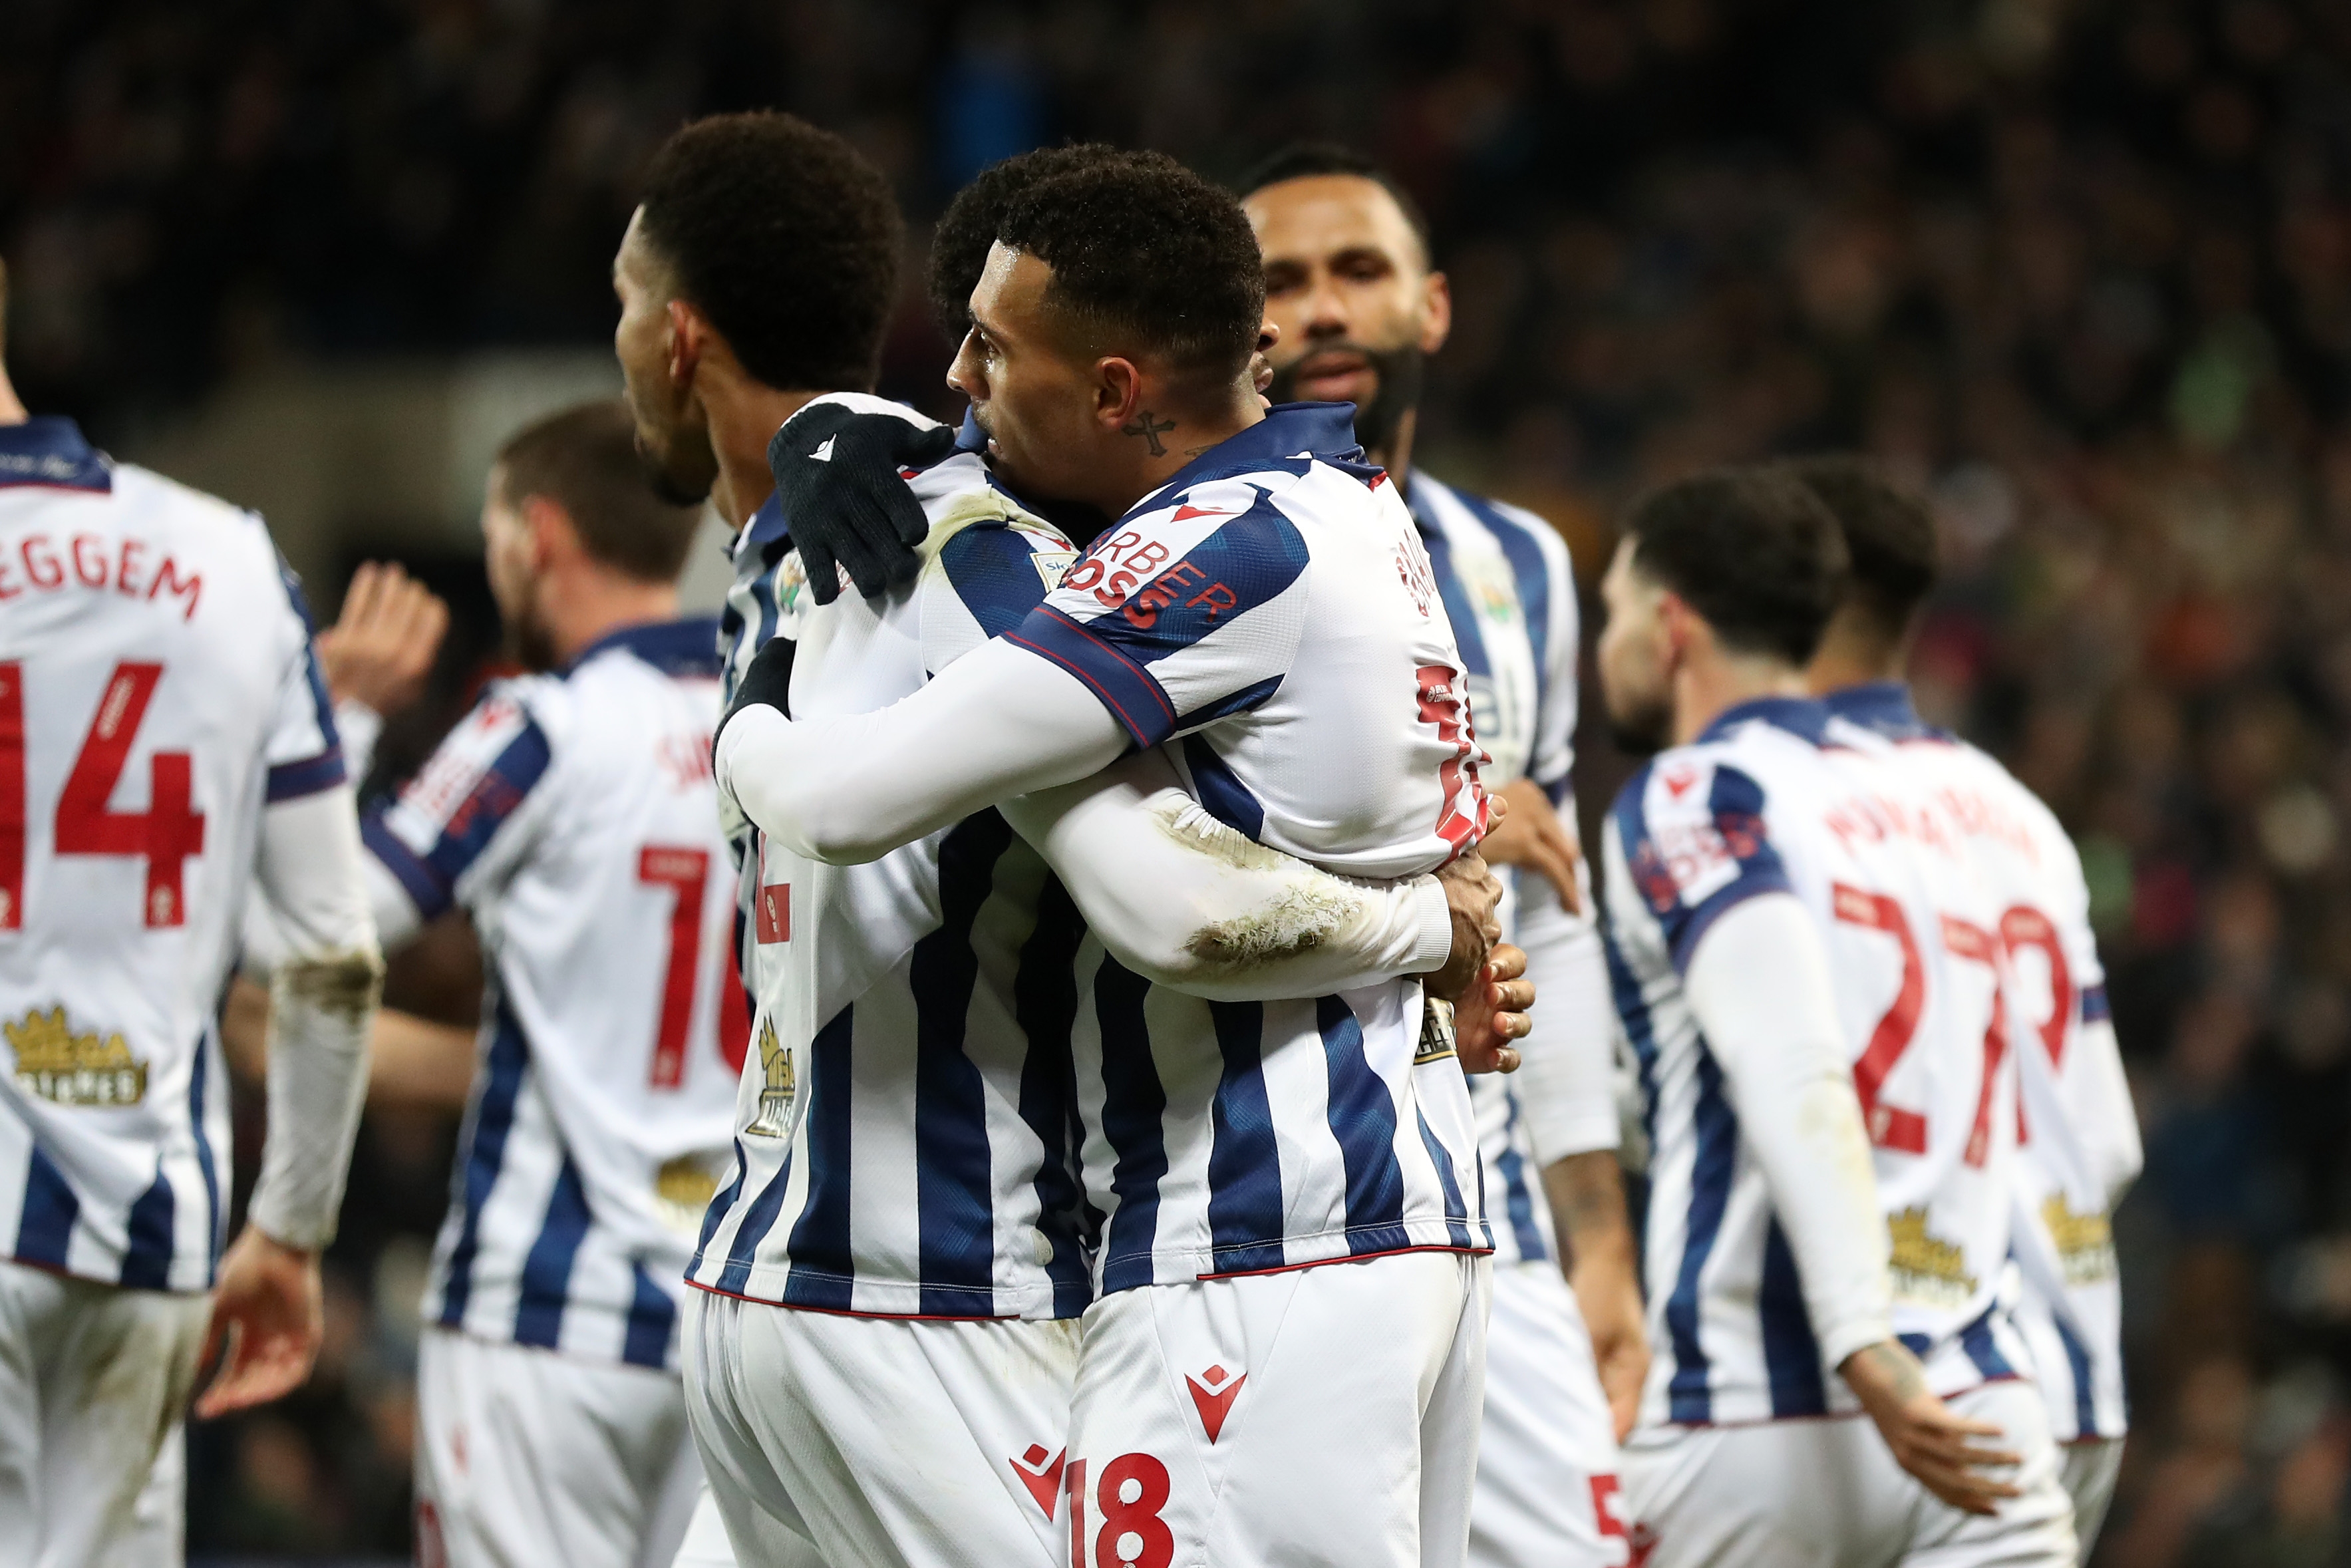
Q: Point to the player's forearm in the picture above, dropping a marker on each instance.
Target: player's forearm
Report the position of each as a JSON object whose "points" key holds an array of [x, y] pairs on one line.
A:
{"points": [[1188, 902], [1759, 986], [1566, 1083], [323, 998], [847, 789], [1587, 1206], [418, 1063]]}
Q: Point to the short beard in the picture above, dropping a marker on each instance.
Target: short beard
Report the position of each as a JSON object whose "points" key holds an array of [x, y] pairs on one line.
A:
{"points": [[1401, 371], [528, 645], [1645, 731], [661, 470]]}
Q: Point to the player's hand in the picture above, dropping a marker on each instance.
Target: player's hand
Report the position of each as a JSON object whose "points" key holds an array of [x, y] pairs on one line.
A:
{"points": [[268, 1318], [1493, 1013], [1531, 836], [1472, 894], [1925, 1438], [1620, 1347], [837, 475], [380, 648], [767, 684]]}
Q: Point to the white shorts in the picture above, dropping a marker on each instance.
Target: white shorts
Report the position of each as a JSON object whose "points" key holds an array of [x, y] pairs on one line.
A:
{"points": [[706, 1544], [1320, 1416], [2088, 1466], [1547, 1492], [526, 1456], [1825, 1493], [880, 1442], [94, 1380]]}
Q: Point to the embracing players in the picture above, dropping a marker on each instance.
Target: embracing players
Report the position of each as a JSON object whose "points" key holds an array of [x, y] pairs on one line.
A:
{"points": [[164, 744], [1234, 1395], [1349, 282], [883, 1359]]}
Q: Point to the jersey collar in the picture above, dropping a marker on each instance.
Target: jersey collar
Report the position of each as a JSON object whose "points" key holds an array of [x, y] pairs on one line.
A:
{"points": [[49, 451], [764, 527], [1323, 431], [969, 438], [1801, 716], [686, 646], [1882, 707]]}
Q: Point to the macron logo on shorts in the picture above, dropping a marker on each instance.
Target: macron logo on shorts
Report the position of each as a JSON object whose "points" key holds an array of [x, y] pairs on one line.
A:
{"points": [[1212, 1395], [1041, 1475]]}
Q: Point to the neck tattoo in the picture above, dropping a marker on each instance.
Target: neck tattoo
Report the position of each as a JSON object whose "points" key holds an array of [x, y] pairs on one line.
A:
{"points": [[1149, 429]]}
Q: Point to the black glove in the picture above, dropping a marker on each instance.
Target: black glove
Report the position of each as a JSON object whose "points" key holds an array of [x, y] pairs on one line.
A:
{"points": [[850, 506], [767, 684]]}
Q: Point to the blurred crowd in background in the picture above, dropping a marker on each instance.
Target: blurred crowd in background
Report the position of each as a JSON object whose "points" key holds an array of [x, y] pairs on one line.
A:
{"points": [[2080, 270]]}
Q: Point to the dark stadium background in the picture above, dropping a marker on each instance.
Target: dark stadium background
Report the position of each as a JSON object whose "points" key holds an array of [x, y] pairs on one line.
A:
{"points": [[2080, 267]]}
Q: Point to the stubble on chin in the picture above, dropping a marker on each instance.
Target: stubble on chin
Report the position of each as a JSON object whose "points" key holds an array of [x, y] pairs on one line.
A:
{"points": [[1642, 729], [661, 470]]}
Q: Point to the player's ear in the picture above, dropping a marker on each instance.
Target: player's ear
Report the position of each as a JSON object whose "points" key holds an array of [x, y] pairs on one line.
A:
{"points": [[1435, 312], [689, 335], [553, 536], [1118, 393]]}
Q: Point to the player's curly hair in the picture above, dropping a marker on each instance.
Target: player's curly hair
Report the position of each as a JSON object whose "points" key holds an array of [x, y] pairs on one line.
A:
{"points": [[1307, 159], [1143, 248], [960, 242], [786, 237], [1752, 550], [1889, 537]]}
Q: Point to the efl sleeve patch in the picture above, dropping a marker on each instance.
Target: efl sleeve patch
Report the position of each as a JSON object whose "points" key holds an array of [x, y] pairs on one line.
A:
{"points": [[445, 819], [1695, 845]]}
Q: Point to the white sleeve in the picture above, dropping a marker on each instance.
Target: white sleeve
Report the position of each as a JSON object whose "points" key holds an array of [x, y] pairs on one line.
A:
{"points": [[1758, 982], [1566, 1081], [848, 789], [1187, 902], [360, 727], [323, 1000], [2118, 1137]]}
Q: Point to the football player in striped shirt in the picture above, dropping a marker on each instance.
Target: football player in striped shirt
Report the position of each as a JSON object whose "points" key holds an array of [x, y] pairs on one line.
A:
{"points": [[570, 814], [1233, 1399], [1805, 960], [2078, 1144], [1349, 282], [904, 1188], [164, 744]]}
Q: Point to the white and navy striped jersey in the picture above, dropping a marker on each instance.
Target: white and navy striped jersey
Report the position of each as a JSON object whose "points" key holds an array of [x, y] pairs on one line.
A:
{"points": [[574, 817], [1762, 802], [1510, 591], [904, 1138], [1270, 618], [2078, 1144], [157, 689]]}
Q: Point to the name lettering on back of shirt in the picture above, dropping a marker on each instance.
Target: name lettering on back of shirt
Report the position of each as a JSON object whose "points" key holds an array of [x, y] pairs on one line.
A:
{"points": [[92, 562]]}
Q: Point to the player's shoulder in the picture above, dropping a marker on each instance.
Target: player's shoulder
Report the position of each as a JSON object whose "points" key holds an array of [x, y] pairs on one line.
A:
{"points": [[1754, 757], [989, 559], [686, 648], [1519, 531], [1991, 777], [493, 757]]}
